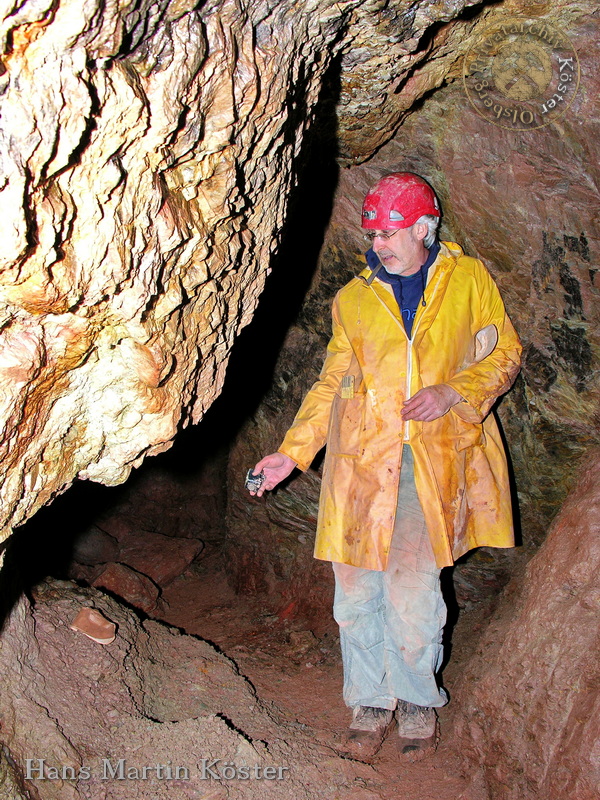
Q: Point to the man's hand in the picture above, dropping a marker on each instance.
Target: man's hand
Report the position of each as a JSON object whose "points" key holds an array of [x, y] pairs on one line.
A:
{"points": [[276, 467], [430, 403]]}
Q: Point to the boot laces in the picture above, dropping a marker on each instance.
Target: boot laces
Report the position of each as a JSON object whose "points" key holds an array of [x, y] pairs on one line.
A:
{"points": [[367, 718]]}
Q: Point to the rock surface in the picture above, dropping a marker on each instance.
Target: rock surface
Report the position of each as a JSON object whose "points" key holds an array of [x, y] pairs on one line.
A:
{"points": [[160, 557], [181, 494], [134, 587], [529, 702], [153, 696], [95, 546]]}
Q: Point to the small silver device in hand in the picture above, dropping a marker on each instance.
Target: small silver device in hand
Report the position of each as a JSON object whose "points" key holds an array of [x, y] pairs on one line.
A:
{"points": [[254, 482]]}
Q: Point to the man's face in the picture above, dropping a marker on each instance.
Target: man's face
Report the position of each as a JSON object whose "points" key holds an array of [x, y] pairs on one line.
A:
{"points": [[402, 252]]}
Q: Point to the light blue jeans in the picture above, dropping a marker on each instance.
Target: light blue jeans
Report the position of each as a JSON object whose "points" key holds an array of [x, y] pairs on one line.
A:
{"points": [[391, 622]]}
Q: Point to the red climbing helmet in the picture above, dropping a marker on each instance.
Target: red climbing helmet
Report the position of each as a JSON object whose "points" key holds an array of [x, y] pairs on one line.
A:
{"points": [[397, 201]]}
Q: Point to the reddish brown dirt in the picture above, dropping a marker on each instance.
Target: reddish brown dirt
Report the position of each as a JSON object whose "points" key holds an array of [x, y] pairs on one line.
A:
{"points": [[298, 668]]}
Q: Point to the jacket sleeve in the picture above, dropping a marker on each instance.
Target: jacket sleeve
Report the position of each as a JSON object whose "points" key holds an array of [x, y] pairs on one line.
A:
{"points": [[481, 383], [308, 432]]}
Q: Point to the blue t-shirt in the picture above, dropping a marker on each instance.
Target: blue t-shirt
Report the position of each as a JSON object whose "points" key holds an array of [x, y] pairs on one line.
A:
{"points": [[408, 290]]}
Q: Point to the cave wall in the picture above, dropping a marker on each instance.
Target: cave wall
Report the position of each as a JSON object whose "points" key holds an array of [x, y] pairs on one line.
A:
{"points": [[528, 702], [527, 203]]}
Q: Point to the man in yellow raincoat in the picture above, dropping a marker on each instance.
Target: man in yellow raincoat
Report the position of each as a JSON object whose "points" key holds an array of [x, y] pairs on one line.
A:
{"points": [[415, 473]]}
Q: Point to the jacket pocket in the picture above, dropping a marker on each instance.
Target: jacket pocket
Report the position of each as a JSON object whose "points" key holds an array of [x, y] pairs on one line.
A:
{"points": [[466, 434], [347, 424]]}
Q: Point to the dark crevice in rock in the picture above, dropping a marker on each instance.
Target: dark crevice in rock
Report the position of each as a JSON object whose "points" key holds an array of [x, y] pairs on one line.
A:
{"points": [[574, 351]]}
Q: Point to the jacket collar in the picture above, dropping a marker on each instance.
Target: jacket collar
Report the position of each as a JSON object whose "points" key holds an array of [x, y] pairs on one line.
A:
{"points": [[437, 282], [449, 252], [439, 277]]}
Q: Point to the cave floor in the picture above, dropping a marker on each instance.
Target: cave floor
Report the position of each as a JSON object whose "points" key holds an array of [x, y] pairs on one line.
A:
{"points": [[296, 667]]}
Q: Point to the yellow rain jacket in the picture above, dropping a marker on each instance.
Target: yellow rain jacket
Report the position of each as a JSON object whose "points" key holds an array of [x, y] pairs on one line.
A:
{"points": [[371, 368]]}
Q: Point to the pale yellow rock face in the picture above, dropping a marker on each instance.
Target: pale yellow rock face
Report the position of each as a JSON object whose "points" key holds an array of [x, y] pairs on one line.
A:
{"points": [[146, 159]]}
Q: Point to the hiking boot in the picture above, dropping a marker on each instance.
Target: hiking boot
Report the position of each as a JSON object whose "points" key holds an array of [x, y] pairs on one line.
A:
{"points": [[367, 731], [418, 730]]}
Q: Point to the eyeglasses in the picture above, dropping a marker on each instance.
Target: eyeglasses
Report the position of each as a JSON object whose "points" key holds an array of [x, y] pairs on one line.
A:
{"points": [[372, 235]]}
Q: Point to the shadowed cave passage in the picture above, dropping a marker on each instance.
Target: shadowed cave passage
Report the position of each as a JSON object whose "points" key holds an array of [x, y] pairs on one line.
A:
{"points": [[183, 494]]}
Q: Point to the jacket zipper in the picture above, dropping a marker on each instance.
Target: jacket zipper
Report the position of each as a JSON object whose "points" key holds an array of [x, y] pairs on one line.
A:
{"points": [[410, 356], [409, 365], [406, 437]]}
